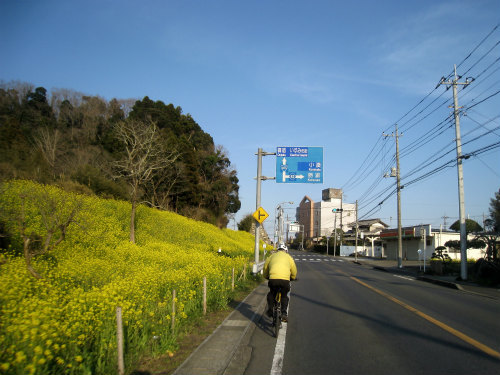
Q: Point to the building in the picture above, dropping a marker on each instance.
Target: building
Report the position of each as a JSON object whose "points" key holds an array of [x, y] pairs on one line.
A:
{"points": [[368, 237], [318, 219], [413, 240]]}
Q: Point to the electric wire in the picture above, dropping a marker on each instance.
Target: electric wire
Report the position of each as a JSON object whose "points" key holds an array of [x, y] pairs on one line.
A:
{"points": [[449, 164], [378, 154]]}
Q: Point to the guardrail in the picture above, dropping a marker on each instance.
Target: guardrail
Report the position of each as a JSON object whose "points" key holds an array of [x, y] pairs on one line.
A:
{"points": [[258, 267]]}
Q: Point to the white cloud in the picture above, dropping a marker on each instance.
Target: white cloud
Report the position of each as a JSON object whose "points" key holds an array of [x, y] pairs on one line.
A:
{"points": [[312, 91], [428, 43]]}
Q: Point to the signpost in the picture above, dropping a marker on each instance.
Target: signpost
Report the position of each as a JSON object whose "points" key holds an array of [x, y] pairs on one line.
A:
{"points": [[260, 215], [299, 165], [293, 165]]}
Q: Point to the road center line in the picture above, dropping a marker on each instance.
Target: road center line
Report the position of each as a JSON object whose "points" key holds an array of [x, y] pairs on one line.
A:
{"points": [[447, 328]]}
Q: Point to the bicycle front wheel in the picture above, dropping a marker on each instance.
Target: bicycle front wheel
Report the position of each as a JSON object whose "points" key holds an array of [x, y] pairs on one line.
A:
{"points": [[276, 321]]}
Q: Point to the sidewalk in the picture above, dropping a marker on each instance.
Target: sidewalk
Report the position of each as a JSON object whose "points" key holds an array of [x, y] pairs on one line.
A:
{"points": [[215, 355], [416, 269]]}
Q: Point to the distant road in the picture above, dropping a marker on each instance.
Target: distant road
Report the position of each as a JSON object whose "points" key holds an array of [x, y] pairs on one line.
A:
{"points": [[350, 319]]}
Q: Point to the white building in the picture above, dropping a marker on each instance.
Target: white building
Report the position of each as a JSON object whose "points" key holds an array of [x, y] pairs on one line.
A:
{"points": [[413, 240], [318, 219]]}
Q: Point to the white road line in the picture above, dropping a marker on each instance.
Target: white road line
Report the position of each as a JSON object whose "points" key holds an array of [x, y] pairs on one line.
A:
{"points": [[405, 277], [279, 352]]}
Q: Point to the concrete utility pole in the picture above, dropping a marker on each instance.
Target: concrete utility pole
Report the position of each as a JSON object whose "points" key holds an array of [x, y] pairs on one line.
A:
{"points": [[342, 214], [424, 240], [398, 186], [461, 198], [356, 241]]}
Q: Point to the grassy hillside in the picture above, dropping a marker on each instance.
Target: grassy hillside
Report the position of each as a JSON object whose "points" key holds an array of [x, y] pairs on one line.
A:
{"points": [[64, 322]]}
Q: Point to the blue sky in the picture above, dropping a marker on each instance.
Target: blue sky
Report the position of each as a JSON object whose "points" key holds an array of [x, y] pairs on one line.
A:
{"points": [[290, 73]]}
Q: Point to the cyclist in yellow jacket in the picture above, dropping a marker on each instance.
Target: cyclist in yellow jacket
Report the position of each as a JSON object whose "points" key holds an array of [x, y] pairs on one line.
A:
{"points": [[279, 268]]}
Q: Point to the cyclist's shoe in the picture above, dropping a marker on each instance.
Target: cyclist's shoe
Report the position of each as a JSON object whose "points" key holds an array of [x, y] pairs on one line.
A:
{"points": [[284, 318]]}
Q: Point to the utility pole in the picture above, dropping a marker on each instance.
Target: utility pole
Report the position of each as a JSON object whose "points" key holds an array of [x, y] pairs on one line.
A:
{"points": [[461, 198], [356, 242], [444, 220], [424, 239], [342, 214], [425, 245], [398, 186]]}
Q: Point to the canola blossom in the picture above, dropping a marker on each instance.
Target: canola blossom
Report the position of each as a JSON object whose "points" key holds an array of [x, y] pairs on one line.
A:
{"points": [[65, 322]]}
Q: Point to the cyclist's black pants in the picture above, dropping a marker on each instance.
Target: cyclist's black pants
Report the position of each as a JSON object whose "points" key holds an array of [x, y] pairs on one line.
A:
{"points": [[276, 285]]}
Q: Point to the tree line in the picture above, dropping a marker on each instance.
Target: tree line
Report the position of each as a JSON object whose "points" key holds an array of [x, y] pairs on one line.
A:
{"points": [[145, 151]]}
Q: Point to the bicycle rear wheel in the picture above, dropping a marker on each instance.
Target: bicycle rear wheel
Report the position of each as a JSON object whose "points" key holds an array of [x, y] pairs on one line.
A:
{"points": [[277, 321]]}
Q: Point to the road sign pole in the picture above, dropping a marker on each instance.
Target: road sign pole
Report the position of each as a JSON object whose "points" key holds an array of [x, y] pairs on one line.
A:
{"points": [[335, 238], [257, 205]]}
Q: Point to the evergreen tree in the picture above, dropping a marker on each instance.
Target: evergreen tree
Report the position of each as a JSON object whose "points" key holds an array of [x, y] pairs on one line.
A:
{"points": [[73, 138], [471, 226], [495, 211]]}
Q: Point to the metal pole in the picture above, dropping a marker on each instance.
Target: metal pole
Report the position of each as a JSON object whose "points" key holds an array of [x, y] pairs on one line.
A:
{"points": [[257, 205], [400, 236], [335, 238], [302, 242], [327, 239]]}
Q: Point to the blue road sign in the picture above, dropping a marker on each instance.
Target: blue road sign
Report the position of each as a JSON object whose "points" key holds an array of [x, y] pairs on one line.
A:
{"points": [[299, 165]]}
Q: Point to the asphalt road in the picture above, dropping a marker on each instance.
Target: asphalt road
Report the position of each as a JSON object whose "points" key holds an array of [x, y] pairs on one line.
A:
{"points": [[350, 319]]}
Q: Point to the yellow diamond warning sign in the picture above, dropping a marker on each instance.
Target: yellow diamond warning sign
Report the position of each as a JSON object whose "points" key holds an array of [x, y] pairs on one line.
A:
{"points": [[260, 215]]}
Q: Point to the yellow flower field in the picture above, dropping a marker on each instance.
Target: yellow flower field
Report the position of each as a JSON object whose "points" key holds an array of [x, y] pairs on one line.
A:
{"points": [[65, 322]]}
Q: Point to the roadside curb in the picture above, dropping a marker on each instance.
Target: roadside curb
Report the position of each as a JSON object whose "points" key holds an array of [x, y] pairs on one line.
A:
{"points": [[378, 268], [447, 284], [215, 354]]}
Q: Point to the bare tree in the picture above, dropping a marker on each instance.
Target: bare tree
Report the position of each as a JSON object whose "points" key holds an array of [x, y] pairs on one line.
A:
{"points": [[59, 95], [161, 185], [22, 88], [127, 105], [48, 143], [93, 110], [144, 156]]}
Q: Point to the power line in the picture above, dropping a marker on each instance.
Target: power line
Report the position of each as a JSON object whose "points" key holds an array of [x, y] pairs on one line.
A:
{"points": [[416, 118]]}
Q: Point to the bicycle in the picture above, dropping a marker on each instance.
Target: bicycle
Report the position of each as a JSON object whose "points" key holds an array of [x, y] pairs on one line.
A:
{"points": [[277, 313]]}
